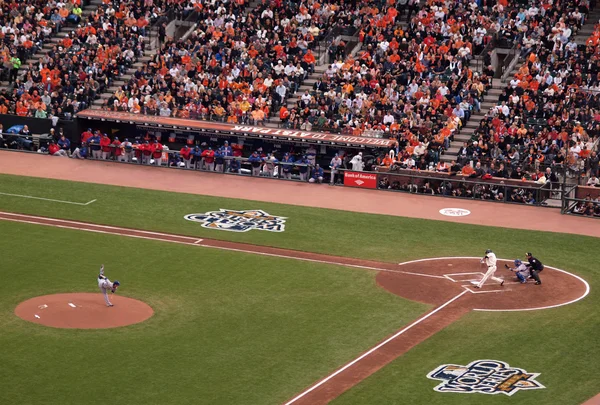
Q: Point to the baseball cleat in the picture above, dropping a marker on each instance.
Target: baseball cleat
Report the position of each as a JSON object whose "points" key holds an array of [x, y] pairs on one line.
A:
{"points": [[502, 283], [110, 305], [538, 282], [477, 286]]}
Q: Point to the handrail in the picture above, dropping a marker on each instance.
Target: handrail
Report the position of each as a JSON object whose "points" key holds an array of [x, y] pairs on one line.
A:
{"points": [[508, 67]]}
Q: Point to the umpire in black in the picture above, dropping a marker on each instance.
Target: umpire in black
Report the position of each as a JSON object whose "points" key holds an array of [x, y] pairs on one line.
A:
{"points": [[535, 267]]}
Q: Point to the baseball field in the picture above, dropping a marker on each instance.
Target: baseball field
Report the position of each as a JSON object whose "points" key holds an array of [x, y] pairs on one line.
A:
{"points": [[316, 307]]}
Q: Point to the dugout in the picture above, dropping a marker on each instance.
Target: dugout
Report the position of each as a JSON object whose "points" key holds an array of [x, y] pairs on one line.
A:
{"points": [[176, 132]]}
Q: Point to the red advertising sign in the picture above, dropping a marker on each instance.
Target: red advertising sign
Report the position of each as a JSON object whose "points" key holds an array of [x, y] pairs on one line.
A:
{"points": [[360, 179]]}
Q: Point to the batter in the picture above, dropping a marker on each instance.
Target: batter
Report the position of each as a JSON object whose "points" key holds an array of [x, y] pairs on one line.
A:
{"points": [[490, 260]]}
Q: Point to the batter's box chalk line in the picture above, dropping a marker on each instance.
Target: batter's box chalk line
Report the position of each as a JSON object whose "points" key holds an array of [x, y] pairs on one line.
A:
{"points": [[478, 291], [460, 279]]}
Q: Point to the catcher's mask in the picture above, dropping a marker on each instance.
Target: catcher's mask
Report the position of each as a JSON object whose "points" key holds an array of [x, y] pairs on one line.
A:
{"points": [[518, 262]]}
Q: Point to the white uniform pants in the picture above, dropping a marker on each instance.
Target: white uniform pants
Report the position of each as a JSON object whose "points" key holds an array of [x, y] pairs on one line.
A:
{"points": [[104, 291], [105, 155], [489, 274], [96, 154]]}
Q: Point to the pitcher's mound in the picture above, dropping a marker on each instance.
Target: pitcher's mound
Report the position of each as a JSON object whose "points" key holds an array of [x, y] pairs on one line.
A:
{"points": [[83, 311]]}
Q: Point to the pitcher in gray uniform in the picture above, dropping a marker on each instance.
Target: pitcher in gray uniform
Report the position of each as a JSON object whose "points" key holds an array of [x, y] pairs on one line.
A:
{"points": [[106, 285]]}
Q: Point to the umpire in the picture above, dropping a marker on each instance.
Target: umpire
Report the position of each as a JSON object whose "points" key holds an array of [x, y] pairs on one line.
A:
{"points": [[535, 267]]}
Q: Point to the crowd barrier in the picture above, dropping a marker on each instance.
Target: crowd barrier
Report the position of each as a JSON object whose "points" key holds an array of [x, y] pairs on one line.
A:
{"points": [[456, 186], [230, 165]]}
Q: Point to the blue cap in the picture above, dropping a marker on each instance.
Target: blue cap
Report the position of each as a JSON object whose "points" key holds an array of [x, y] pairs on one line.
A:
{"points": [[116, 282]]}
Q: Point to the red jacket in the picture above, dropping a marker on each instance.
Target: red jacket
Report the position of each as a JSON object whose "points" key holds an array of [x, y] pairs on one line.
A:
{"points": [[105, 143], [85, 136], [185, 153], [208, 155], [116, 144], [146, 149], [157, 150], [53, 148]]}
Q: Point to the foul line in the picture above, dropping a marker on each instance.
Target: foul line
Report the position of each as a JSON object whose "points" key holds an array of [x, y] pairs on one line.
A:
{"points": [[48, 199], [323, 381], [113, 230]]}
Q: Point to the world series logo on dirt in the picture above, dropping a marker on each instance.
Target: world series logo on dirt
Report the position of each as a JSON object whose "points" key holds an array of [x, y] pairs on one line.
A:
{"points": [[239, 221], [484, 377]]}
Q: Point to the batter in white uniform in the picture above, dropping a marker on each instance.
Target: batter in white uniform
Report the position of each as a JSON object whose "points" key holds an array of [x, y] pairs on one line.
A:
{"points": [[490, 260], [105, 286]]}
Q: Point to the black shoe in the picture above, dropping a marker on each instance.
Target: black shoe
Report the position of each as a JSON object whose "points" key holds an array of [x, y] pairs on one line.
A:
{"points": [[476, 286], [502, 283], [538, 282]]}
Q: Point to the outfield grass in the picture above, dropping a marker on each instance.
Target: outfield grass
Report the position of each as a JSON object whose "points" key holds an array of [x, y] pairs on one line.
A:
{"points": [[562, 343], [228, 328]]}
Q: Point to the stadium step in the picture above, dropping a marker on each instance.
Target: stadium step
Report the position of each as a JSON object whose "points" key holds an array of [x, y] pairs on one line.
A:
{"points": [[462, 138]]}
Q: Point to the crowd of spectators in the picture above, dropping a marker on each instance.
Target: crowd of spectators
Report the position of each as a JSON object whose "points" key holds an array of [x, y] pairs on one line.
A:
{"points": [[26, 26], [546, 116], [86, 61], [410, 81], [234, 67]]}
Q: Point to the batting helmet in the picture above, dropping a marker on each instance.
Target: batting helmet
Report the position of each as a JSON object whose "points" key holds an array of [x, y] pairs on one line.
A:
{"points": [[116, 283], [488, 251], [518, 262]]}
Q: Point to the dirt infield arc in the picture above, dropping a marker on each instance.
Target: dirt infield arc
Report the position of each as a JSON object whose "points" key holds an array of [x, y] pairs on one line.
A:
{"points": [[442, 282], [83, 311]]}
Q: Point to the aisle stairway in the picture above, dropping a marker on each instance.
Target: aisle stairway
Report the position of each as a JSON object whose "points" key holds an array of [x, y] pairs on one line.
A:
{"points": [[151, 50], [588, 28], [467, 132], [54, 40]]}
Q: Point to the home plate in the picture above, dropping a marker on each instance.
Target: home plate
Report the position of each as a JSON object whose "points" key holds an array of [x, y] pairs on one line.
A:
{"points": [[72, 305]]}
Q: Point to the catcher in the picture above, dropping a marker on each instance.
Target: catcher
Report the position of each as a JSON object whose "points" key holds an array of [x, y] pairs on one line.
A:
{"points": [[521, 271], [105, 285]]}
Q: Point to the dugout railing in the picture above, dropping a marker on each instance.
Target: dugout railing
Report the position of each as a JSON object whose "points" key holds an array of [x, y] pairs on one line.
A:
{"points": [[457, 186], [242, 166]]}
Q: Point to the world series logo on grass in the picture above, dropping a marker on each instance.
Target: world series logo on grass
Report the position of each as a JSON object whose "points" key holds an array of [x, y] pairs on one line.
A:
{"points": [[484, 377], [239, 221]]}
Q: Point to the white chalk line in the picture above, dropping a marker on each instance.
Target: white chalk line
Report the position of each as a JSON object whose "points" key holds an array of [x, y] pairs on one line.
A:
{"points": [[380, 345], [30, 219], [48, 199], [466, 287], [585, 294]]}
